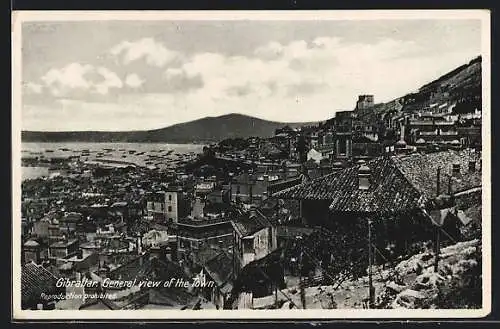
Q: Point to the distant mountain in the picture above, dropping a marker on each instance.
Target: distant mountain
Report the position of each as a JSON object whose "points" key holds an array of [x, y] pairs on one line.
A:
{"points": [[209, 129]]}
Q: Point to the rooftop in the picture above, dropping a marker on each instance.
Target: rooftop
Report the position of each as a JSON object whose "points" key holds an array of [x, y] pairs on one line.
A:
{"points": [[202, 222], [35, 280], [220, 268], [250, 223], [397, 183], [63, 244]]}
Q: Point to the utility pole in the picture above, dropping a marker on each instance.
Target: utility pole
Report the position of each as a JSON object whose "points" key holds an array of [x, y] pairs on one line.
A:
{"points": [[437, 237], [301, 283], [370, 279], [276, 294]]}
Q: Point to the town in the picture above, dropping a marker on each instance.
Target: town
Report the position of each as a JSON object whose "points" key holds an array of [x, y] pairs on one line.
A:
{"points": [[376, 207]]}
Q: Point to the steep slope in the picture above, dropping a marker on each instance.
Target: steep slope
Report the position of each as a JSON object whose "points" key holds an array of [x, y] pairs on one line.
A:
{"points": [[461, 87], [201, 130]]}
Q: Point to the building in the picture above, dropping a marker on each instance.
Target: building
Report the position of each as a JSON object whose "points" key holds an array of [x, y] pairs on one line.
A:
{"points": [[148, 266], [255, 237], [63, 249], [365, 102], [34, 252], [69, 223], [396, 193], [314, 155], [219, 270], [343, 125], [366, 149], [219, 196], [168, 205], [432, 129], [41, 228], [194, 234], [252, 187]]}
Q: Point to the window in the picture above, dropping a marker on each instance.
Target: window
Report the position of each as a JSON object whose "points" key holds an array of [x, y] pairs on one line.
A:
{"points": [[169, 208], [170, 197]]}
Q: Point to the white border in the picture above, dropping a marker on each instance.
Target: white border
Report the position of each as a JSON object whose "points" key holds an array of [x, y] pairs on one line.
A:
{"points": [[24, 16]]}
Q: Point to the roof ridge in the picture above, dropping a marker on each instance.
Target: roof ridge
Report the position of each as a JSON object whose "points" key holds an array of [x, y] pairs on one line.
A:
{"points": [[42, 268], [127, 263]]}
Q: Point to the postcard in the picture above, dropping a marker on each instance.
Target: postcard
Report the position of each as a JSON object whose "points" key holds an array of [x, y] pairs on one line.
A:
{"points": [[251, 165]]}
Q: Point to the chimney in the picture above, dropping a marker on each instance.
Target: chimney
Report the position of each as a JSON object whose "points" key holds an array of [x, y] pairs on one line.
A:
{"points": [[455, 169], [364, 177], [472, 165], [78, 276]]}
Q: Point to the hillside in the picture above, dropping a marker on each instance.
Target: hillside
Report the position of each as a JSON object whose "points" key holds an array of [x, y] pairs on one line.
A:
{"points": [[202, 130], [462, 87]]}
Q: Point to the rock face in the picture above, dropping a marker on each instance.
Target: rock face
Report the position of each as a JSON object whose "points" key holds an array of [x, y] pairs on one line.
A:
{"points": [[410, 284], [408, 299], [394, 287]]}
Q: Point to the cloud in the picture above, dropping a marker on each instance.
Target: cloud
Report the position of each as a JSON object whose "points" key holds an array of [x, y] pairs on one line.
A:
{"points": [[77, 80], [303, 80], [72, 76], [110, 80], [152, 51], [33, 88], [178, 80], [133, 80], [272, 50]]}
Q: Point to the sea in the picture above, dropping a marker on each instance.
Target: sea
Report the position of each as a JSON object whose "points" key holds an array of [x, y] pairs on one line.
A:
{"points": [[154, 155]]}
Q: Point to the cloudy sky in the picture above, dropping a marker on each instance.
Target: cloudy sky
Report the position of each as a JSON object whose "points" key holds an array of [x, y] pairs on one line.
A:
{"points": [[123, 75]]}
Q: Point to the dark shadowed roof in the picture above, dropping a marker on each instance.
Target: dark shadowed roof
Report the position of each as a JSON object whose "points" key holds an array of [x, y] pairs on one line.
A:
{"points": [[144, 267], [397, 183], [220, 268], [35, 280]]}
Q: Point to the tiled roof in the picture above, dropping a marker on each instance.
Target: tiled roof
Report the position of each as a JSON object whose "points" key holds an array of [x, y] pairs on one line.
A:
{"points": [[170, 296], [205, 254], [135, 269], [397, 183], [220, 268], [35, 280], [251, 223], [421, 171], [98, 304]]}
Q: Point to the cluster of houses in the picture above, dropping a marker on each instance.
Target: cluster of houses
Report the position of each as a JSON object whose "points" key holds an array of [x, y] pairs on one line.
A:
{"points": [[231, 217]]}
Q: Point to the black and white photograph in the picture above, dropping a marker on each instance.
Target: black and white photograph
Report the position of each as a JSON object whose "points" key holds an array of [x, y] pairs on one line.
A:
{"points": [[307, 164]]}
